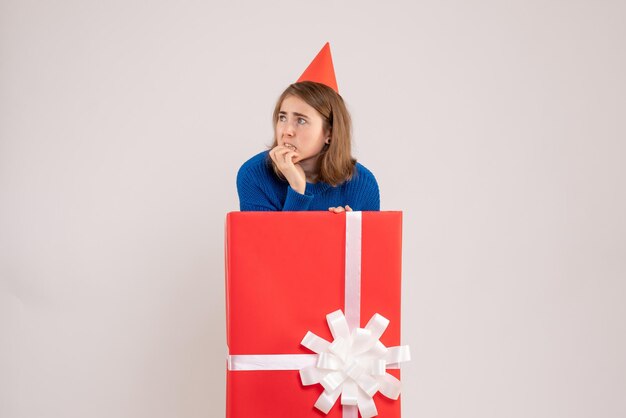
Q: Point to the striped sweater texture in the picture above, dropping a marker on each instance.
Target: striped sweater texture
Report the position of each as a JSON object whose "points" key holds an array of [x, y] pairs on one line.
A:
{"points": [[260, 189]]}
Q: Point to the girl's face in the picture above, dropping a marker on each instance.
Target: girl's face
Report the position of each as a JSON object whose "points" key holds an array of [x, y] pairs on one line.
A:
{"points": [[300, 127]]}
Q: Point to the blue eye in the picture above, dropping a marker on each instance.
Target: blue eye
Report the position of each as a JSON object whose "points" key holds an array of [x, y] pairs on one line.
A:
{"points": [[301, 121], [282, 118]]}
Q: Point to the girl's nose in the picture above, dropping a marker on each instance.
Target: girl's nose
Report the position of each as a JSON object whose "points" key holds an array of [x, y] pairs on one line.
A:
{"points": [[289, 129]]}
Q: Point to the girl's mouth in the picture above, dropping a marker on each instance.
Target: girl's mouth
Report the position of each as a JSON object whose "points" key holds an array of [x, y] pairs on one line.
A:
{"points": [[290, 146]]}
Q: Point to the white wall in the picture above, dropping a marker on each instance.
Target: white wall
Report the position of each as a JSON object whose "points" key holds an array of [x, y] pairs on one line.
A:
{"points": [[498, 127]]}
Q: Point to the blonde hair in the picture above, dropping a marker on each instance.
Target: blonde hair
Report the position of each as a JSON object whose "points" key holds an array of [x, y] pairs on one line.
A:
{"points": [[335, 164]]}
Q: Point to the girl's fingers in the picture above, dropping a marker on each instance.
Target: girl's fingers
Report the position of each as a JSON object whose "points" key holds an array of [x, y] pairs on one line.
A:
{"points": [[289, 155], [278, 151], [275, 154], [282, 150], [287, 160], [348, 208], [285, 154]]}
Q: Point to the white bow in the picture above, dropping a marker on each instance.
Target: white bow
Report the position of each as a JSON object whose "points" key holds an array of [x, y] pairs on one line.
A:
{"points": [[353, 365]]}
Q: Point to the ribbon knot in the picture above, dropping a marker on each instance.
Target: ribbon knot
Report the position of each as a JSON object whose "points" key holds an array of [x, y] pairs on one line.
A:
{"points": [[354, 365]]}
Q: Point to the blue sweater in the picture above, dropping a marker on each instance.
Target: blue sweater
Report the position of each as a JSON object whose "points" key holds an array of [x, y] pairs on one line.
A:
{"points": [[260, 189]]}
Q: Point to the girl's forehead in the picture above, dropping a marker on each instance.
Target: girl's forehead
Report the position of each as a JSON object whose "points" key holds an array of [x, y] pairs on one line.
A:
{"points": [[296, 104]]}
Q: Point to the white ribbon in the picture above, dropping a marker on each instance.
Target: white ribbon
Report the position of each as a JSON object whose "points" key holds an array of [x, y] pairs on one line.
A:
{"points": [[352, 302], [354, 365], [271, 361]]}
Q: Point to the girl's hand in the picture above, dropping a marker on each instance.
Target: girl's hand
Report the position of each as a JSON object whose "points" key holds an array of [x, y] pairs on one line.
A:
{"points": [[339, 209], [284, 157]]}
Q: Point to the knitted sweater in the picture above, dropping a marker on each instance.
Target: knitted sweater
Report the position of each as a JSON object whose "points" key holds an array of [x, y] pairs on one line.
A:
{"points": [[260, 189]]}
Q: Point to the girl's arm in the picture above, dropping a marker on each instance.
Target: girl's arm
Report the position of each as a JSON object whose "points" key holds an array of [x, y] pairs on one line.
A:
{"points": [[251, 196], [255, 195], [370, 192]]}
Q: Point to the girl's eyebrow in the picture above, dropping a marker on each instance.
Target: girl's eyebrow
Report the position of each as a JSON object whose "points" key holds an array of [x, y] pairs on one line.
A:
{"points": [[282, 112]]}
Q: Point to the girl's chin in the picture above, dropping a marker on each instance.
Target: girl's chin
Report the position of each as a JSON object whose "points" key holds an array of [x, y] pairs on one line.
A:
{"points": [[309, 157]]}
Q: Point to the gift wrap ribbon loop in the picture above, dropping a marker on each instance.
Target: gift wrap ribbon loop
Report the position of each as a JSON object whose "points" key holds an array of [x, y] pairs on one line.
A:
{"points": [[354, 364]]}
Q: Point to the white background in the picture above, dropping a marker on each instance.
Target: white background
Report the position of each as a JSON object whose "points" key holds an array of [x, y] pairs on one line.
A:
{"points": [[498, 127]]}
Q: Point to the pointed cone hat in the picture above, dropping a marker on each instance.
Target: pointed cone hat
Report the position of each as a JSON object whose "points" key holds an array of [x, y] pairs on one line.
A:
{"points": [[321, 69]]}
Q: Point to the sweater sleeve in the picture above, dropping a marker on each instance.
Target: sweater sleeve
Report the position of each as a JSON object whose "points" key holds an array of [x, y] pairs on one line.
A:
{"points": [[370, 193], [373, 201], [251, 196], [296, 201]]}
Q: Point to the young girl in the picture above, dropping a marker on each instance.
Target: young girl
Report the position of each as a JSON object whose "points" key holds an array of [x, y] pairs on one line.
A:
{"points": [[310, 165]]}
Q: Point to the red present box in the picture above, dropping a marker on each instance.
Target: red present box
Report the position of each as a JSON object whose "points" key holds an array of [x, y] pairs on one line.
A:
{"points": [[285, 272]]}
